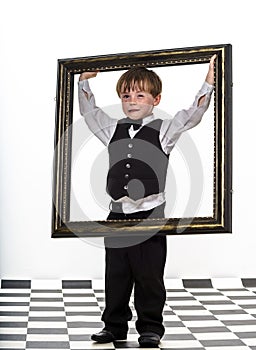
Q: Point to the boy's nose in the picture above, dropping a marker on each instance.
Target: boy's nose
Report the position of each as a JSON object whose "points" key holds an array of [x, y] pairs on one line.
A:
{"points": [[133, 99]]}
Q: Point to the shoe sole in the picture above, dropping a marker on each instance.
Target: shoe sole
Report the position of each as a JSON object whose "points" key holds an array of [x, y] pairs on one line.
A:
{"points": [[148, 343], [105, 340], [101, 340]]}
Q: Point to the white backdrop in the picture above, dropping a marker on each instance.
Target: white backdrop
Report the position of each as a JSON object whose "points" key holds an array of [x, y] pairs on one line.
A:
{"points": [[90, 163], [33, 36]]}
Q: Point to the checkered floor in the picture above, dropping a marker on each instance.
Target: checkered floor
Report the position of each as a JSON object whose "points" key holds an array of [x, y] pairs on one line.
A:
{"points": [[199, 314]]}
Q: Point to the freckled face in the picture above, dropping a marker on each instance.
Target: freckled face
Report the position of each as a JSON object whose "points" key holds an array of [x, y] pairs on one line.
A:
{"points": [[138, 104]]}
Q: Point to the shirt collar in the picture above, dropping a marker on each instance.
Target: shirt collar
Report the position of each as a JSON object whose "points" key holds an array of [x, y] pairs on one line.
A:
{"points": [[148, 119]]}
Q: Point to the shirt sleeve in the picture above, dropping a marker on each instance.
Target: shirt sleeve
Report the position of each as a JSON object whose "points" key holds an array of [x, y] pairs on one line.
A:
{"points": [[99, 122], [185, 119]]}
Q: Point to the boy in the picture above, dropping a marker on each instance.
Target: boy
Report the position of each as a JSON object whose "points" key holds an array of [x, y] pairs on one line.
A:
{"points": [[139, 146]]}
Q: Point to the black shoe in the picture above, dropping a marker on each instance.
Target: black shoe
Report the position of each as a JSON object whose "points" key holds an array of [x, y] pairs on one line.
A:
{"points": [[149, 340], [105, 336]]}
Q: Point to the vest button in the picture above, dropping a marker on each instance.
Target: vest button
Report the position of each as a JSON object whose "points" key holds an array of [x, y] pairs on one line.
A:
{"points": [[126, 176], [130, 145], [129, 155], [128, 165], [126, 187]]}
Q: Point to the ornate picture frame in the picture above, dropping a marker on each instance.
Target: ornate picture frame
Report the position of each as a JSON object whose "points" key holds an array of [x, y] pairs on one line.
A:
{"points": [[220, 221]]}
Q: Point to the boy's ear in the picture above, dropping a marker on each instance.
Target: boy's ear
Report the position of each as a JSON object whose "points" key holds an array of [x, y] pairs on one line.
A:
{"points": [[157, 100]]}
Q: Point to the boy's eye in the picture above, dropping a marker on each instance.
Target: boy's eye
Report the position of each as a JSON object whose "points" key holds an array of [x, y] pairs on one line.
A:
{"points": [[140, 95], [125, 96]]}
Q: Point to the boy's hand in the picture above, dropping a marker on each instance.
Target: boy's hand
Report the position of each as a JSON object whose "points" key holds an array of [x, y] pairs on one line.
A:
{"points": [[210, 75], [87, 75]]}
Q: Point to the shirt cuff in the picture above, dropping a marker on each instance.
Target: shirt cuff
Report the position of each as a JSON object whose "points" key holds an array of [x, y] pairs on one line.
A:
{"points": [[84, 85], [206, 87]]}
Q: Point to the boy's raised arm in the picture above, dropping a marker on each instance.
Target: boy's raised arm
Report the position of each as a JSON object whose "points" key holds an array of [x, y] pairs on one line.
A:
{"points": [[188, 118], [209, 77], [86, 76], [99, 122]]}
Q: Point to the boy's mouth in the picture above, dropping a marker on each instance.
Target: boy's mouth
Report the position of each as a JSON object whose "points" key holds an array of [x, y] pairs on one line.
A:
{"points": [[133, 110]]}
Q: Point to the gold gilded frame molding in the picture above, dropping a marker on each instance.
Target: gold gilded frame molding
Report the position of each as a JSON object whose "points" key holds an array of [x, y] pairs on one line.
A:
{"points": [[221, 221]]}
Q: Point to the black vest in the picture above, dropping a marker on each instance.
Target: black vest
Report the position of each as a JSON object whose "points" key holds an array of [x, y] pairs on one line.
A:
{"points": [[138, 166]]}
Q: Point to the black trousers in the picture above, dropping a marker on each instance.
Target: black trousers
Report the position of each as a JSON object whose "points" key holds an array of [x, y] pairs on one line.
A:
{"points": [[140, 266]]}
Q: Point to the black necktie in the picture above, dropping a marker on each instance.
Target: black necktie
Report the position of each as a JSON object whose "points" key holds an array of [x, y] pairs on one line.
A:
{"points": [[136, 123]]}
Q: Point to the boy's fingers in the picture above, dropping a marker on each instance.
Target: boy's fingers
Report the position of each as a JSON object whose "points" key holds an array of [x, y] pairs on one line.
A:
{"points": [[213, 59], [88, 75]]}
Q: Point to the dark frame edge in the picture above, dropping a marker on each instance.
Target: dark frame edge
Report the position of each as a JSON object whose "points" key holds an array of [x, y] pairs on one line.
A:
{"points": [[228, 137]]}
